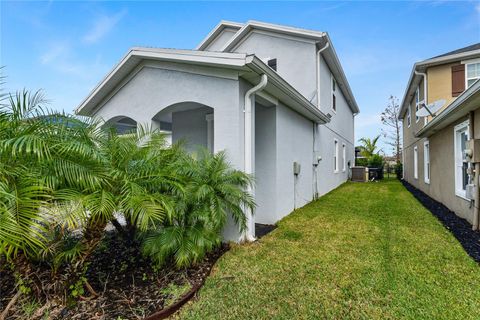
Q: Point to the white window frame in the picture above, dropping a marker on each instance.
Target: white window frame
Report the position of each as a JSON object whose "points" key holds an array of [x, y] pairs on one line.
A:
{"points": [[344, 157], [426, 162], [409, 115], [467, 63], [458, 130], [417, 103], [333, 90], [335, 156], [415, 162]]}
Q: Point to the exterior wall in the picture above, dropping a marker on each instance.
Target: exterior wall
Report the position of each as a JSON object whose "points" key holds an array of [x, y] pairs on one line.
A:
{"points": [[410, 142], [296, 59], [440, 83], [191, 126], [442, 180], [340, 127], [295, 141], [221, 39], [442, 162], [265, 164]]}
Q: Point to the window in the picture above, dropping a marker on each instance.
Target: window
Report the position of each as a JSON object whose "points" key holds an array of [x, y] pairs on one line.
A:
{"points": [[334, 98], [417, 103], [272, 63], [426, 161], [472, 74], [415, 162], [461, 163], [335, 156], [409, 116], [344, 158]]}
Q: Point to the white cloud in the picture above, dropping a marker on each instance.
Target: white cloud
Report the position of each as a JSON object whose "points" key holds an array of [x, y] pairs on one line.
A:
{"points": [[102, 27], [54, 52]]}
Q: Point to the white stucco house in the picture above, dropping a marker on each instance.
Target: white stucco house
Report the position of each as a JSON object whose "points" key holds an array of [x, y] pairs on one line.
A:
{"points": [[274, 97]]}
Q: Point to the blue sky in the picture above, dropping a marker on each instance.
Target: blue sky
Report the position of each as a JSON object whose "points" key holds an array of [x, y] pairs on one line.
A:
{"points": [[65, 48]]}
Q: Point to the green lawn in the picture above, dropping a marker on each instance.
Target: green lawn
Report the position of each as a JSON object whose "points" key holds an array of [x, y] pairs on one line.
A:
{"points": [[363, 251]]}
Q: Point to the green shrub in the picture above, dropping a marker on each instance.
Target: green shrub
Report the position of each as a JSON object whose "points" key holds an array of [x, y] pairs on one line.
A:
{"points": [[375, 161], [213, 191], [361, 162], [399, 170]]}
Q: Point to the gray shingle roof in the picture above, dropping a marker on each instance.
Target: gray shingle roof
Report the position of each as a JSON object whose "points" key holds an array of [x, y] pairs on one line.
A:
{"points": [[472, 47]]}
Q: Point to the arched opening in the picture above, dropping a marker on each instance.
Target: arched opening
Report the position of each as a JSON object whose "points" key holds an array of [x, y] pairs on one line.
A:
{"points": [[189, 121], [122, 124]]}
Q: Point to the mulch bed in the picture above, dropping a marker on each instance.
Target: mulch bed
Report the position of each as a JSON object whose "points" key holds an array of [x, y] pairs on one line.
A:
{"points": [[460, 228], [128, 285]]}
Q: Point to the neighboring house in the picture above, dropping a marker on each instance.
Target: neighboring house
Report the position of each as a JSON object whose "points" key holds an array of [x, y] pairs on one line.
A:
{"points": [[434, 148], [274, 97]]}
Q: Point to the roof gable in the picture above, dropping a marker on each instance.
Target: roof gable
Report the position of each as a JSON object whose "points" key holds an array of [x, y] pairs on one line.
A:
{"points": [[277, 29], [217, 31]]}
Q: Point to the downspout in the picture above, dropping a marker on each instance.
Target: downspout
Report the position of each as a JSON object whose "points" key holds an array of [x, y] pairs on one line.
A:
{"points": [[248, 145], [315, 125], [424, 75], [476, 167]]}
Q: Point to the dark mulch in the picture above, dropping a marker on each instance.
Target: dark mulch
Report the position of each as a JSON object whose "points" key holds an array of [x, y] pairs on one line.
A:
{"points": [[460, 228], [128, 285], [263, 229]]}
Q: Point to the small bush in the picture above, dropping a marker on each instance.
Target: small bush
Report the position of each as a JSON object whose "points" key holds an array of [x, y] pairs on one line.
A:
{"points": [[399, 170], [361, 162], [375, 161]]}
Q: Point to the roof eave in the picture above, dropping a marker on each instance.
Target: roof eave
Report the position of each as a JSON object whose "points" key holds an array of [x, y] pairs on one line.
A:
{"points": [[349, 94], [232, 60]]}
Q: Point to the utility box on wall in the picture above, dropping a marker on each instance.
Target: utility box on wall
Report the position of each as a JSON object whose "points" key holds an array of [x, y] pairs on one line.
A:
{"points": [[296, 168], [473, 147]]}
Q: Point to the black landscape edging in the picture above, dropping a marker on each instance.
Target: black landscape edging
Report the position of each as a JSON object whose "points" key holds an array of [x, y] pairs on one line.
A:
{"points": [[168, 311], [460, 228]]}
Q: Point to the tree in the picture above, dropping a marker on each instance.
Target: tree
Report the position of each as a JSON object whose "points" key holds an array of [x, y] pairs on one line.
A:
{"points": [[392, 132], [369, 146]]}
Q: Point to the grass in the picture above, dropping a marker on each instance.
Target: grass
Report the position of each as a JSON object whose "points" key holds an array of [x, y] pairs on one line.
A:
{"points": [[363, 251]]}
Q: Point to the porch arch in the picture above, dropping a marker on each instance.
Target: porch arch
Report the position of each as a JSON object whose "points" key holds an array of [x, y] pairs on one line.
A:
{"points": [[189, 121], [122, 124]]}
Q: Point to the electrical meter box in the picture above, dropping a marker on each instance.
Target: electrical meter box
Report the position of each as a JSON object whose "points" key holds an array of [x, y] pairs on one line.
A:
{"points": [[296, 168], [470, 190], [474, 146]]}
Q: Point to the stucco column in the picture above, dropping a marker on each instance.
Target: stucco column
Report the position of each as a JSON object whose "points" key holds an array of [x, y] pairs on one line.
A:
{"points": [[210, 132]]}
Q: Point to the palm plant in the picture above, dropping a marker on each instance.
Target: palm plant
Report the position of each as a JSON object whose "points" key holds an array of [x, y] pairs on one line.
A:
{"points": [[369, 146], [139, 183], [43, 159], [213, 191]]}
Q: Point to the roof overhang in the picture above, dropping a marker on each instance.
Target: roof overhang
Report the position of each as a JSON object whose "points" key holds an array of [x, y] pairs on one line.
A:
{"points": [[278, 29], [468, 101], [422, 66], [249, 66], [331, 58], [217, 31]]}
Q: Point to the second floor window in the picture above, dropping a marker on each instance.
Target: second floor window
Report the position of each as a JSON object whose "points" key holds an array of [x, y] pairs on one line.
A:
{"points": [[417, 103], [409, 116], [473, 73], [334, 92], [272, 63]]}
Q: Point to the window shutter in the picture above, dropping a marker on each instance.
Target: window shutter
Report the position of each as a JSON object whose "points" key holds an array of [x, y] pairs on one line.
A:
{"points": [[458, 79]]}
